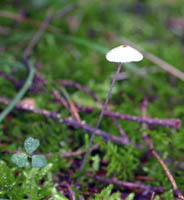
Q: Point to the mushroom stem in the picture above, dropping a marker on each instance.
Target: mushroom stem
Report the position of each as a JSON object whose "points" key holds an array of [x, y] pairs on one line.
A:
{"points": [[84, 161]]}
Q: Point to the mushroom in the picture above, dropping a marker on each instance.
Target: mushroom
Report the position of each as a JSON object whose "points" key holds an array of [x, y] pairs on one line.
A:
{"points": [[121, 54], [124, 54]]}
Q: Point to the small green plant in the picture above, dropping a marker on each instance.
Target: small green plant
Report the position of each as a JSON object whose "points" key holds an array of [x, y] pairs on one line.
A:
{"points": [[130, 196], [105, 194], [21, 159]]}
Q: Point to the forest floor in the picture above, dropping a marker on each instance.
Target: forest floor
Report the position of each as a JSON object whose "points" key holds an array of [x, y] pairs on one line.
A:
{"points": [[54, 79]]}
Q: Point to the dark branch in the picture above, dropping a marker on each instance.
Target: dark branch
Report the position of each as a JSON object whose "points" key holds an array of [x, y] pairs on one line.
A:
{"points": [[136, 187]]}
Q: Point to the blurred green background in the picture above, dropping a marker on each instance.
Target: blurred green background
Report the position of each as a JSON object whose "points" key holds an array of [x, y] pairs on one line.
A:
{"points": [[73, 47]]}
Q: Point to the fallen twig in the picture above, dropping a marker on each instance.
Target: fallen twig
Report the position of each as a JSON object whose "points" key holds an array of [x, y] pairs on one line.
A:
{"points": [[136, 187], [77, 153], [19, 17], [158, 61], [156, 155], [68, 104], [165, 168], [153, 196], [164, 65], [176, 123], [90, 129], [122, 132], [70, 191], [67, 121], [37, 36]]}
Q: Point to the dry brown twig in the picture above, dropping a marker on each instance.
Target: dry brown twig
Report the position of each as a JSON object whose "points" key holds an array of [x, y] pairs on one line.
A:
{"points": [[122, 132], [70, 191], [67, 121], [38, 35], [77, 153], [73, 153], [153, 196], [136, 187], [152, 121], [156, 155], [74, 111], [19, 17], [165, 168], [176, 123], [60, 98], [69, 105], [164, 65], [158, 61]]}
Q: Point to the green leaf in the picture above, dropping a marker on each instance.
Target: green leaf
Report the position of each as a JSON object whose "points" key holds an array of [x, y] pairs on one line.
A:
{"points": [[96, 162], [57, 195], [85, 42], [105, 194], [19, 95], [20, 159], [31, 144], [38, 161], [130, 196]]}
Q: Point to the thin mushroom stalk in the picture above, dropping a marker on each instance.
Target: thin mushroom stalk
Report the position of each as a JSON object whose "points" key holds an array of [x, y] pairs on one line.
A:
{"points": [[121, 54], [100, 118]]}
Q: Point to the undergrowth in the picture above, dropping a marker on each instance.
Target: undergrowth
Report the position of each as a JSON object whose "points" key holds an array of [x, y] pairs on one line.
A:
{"points": [[76, 53]]}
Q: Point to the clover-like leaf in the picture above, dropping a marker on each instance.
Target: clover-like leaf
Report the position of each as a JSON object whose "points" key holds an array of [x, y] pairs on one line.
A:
{"points": [[31, 144], [20, 159], [38, 161]]}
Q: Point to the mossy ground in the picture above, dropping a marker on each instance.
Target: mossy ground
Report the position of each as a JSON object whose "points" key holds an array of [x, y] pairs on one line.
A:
{"points": [[77, 54]]}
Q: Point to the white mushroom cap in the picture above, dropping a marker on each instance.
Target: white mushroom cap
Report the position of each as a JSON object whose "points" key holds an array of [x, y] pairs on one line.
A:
{"points": [[123, 54]]}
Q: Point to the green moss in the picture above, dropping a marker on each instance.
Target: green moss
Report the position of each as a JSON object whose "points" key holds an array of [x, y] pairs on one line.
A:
{"points": [[79, 56]]}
